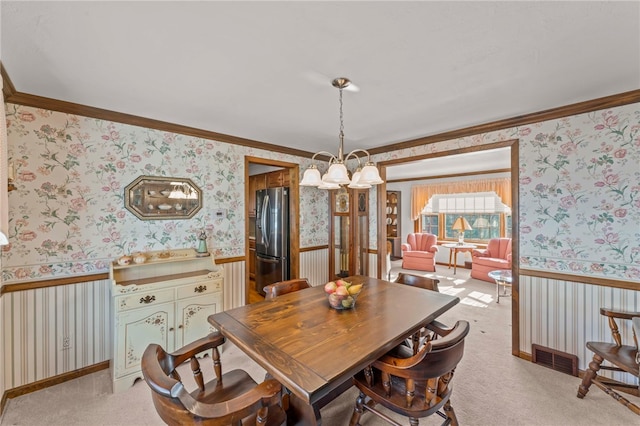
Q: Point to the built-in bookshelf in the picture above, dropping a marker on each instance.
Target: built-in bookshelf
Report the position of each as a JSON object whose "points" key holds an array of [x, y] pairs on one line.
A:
{"points": [[393, 223]]}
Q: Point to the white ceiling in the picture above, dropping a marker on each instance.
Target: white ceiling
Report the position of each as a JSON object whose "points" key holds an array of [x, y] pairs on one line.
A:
{"points": [[262, 70], [478, 161]]}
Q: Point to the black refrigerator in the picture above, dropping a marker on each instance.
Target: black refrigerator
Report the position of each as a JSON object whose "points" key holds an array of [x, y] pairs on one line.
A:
{"points": [[272, 236]]}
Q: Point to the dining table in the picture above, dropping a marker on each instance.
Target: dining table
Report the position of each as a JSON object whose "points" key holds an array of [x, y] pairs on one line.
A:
{"points": [[314, 350]]}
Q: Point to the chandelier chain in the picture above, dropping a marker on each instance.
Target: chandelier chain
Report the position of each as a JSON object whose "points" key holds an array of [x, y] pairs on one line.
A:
{"points": [[341, 134]]}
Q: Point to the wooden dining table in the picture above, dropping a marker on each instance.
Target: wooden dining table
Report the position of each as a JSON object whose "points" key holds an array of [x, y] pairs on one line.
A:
{"points": [[314, 350]]}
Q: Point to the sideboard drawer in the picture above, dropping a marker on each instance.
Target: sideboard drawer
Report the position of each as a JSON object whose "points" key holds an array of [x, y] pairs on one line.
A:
{"points": [[198, 288], [143, 298]]}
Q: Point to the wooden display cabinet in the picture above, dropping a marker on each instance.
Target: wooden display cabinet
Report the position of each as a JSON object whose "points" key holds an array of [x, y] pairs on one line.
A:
{"points": [[165, 300], [394, 229], [348, 232]]}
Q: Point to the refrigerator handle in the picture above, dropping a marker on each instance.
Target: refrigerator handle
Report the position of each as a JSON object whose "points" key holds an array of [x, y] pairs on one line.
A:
{"points": [[267, 260], [263, 220]]}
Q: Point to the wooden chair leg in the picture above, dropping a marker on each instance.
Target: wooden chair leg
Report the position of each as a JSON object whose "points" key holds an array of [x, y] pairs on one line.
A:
{"points": [[589, 375], [451, 414], [615, 395], [357, 410]]}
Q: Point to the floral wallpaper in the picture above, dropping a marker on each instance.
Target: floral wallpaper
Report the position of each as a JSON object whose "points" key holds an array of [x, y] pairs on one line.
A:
{"points": [[67, 216], [579, 193]]}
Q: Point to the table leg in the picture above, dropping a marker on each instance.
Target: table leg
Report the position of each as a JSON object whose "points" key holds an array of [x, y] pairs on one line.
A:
{"points": [[450, 256], [455, 260], [504, 284], [302, 414]]}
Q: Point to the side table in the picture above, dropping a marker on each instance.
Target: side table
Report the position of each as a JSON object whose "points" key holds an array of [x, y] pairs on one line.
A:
{"points": [[502, 278], [454, 248]]}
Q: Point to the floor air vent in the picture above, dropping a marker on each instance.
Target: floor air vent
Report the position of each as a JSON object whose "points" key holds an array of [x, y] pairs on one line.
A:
{"points": [[556, 360]]}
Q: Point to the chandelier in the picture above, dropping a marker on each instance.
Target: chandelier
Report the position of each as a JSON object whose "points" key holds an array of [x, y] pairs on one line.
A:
{"points": [[337, 174]]}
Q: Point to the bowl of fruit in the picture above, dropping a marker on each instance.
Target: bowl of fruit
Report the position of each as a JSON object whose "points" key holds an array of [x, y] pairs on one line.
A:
{"points": [[342, 294]]}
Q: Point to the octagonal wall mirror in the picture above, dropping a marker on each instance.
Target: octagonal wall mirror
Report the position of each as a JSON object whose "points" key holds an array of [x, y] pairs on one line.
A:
{"points": [[159, 197]]}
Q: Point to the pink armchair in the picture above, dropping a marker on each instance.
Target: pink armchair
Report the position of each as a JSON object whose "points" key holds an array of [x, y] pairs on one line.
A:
{"points": [[419, 252], [496, 256]]}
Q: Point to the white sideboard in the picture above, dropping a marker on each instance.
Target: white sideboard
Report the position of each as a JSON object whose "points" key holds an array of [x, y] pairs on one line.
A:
{"points": [[165, 300]]}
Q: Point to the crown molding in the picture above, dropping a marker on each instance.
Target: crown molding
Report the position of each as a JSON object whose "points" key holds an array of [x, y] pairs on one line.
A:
{"points": [[11, 95]]}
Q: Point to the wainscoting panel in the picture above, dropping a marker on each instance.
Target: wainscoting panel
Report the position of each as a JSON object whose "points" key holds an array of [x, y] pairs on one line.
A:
{"points": [[234, 284], [373, 266], [314, 265], [55, 330], [564, 315]]}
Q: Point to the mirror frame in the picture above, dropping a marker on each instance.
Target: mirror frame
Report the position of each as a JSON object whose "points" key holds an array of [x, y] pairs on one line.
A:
{"points": [[162, 198]]}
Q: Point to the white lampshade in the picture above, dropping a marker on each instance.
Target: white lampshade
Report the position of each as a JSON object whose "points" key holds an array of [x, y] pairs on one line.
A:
{"points": [[327, 185], [337, 173], [3, 239], [481, 222], [311, 177], [370, 175], [355, 181]]}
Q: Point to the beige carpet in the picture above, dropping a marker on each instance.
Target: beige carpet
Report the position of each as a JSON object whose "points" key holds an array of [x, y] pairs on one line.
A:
{"points": [[491, 387]]}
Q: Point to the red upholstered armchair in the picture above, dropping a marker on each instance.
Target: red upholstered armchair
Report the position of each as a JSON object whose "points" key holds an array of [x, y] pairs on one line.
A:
{"points": [[496, 256], [419, 252]]}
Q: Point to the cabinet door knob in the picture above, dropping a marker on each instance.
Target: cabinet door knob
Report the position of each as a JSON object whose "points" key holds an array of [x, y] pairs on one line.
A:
{"points": [[200, 288], [147, 299], [180, 326], [171, 329]]}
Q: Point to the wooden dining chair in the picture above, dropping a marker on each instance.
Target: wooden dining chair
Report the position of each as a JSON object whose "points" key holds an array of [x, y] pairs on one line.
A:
{"points": [[423, 335], [284, 287], [418, 281], [414, 386], [618, 357], [232, 398]]}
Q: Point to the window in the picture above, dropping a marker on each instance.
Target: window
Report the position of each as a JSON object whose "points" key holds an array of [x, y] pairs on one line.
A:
{"points": [[484, 211], [429, 223], [485, 226]]}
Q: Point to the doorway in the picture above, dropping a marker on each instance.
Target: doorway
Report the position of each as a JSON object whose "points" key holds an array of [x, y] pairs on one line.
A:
{"points": [[513, 154], [276, 173]]}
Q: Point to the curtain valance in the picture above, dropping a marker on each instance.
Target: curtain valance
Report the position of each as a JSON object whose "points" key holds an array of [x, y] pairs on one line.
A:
{"points": [[420, 194]]}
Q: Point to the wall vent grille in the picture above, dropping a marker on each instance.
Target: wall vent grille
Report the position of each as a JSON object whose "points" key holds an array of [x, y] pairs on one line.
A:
{"points": [[556, 360]]}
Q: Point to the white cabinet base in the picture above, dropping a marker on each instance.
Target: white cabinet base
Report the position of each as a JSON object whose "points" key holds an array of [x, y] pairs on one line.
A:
{"points": [[165, 300]]}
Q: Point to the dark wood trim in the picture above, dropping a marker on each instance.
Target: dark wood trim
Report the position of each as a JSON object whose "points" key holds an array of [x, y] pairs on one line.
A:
{"points": [[485, 172], [31, 285], [229, 260], [9, 288], [293, 169], [526, 356], [55, 380], [313, 248], [14, 97], [430, 155], [11, 95], [515, 246], [8, 89], [583, 279], [616, 100]]}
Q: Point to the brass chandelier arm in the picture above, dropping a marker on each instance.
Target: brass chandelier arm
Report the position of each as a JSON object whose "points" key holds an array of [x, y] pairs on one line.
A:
{"points": [[353, 154], [328, 154]]}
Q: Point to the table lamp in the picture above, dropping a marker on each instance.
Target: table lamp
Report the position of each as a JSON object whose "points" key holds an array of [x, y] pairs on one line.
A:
{"points": [[461, 225]]}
